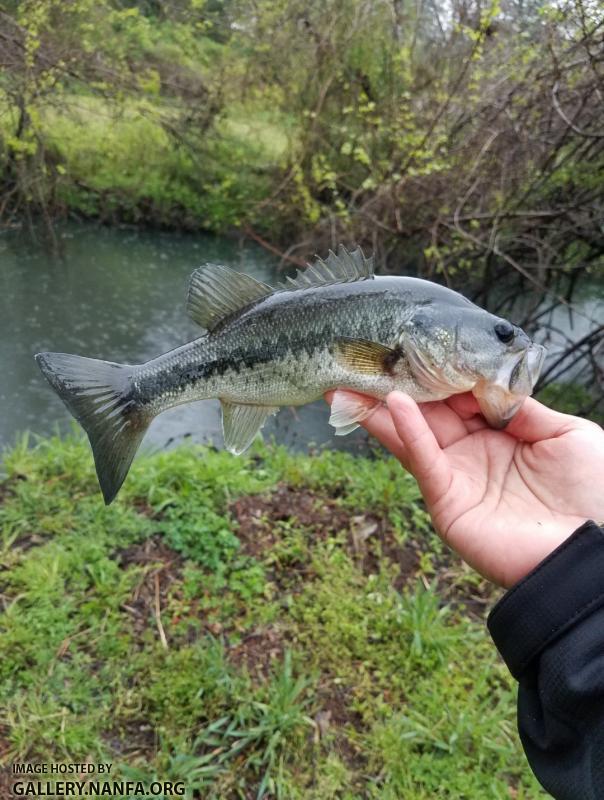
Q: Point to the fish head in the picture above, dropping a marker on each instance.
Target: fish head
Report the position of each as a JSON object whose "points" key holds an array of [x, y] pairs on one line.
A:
{"points": [[469, 349]]}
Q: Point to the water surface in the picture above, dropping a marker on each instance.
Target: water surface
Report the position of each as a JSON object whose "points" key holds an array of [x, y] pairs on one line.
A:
{"points": [[120, 295]]}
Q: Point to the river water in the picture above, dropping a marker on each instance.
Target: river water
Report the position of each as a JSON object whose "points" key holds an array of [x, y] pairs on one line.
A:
{"points": [[119, 295]]}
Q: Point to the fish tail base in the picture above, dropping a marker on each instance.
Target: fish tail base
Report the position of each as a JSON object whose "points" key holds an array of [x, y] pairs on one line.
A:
{"points": [[101, 396]]}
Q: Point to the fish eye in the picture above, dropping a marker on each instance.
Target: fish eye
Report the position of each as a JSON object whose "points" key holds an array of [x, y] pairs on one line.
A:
{"points": [[505, 332]]}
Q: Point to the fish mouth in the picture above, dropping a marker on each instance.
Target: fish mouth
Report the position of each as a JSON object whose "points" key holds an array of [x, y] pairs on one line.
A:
{"points": [[500, 400], [534, 360], [526, 371]]}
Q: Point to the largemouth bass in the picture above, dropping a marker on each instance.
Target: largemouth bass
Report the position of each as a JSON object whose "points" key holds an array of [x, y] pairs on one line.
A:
{"points": [[335, 325]]}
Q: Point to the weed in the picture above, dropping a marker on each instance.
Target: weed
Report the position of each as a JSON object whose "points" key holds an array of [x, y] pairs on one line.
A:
{"points": [[276, 625]]}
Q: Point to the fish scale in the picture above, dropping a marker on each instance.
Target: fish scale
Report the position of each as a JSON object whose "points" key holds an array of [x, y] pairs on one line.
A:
{"points": [[336, 325]]}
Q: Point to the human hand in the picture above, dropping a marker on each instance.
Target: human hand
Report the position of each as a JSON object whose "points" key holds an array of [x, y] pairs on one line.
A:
{"points": [[503, 499]]}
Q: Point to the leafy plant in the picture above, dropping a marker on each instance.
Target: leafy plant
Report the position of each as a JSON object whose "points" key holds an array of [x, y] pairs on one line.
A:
{"points": [[312, 671]]}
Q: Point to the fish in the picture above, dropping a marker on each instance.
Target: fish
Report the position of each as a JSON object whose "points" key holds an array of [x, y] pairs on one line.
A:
{"points": [[335, 325]]}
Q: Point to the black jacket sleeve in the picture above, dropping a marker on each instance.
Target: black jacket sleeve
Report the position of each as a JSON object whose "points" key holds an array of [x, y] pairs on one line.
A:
{"points": [[549, 629]]}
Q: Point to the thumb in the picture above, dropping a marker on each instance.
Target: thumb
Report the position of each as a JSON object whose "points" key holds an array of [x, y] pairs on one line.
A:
{"points": [[535, 422], [424, 457]]}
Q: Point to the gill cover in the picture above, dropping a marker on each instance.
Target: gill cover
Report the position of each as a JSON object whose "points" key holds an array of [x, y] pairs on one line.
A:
{"points": [[430, 343]]}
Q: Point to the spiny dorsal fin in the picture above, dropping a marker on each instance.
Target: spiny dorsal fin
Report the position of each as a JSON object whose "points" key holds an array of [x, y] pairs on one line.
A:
{"points": [[341, 268], [241, 423], [215, 292]]}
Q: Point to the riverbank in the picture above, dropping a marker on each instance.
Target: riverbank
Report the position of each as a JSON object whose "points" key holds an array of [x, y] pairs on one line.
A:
{"points": [[122, 167], [434, 146], [274, 625]]}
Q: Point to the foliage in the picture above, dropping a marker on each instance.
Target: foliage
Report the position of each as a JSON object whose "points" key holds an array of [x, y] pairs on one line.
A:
{"points": [[130, 635], [446, 138], [148, 86], [460, 142], [574, 398]]}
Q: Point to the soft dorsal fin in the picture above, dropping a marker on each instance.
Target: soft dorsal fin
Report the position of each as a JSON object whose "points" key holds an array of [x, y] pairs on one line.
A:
{"points": [[341, 268], [215, 292]]}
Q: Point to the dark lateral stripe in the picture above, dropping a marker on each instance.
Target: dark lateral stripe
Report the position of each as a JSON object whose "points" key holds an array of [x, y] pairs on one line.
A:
{"points": [[181, 375]]}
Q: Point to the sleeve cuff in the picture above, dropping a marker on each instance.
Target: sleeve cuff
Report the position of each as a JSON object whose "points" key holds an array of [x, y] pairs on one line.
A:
{"points": [[565, 587]]}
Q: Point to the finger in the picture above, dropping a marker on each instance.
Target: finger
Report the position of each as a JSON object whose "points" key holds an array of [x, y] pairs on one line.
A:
{"points": [[465, 405], [380, 425], [447, 426], [476, 423], [425, 458], [535, 422]]}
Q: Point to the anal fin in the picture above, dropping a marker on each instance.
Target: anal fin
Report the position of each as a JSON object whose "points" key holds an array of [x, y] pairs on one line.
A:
{"points": [[348, 409], [241, 423]]}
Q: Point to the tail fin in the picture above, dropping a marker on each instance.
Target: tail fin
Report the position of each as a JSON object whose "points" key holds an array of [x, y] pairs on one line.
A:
{"points": [[99, 394]]}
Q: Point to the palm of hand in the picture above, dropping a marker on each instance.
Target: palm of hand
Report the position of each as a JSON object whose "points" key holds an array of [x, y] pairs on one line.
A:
{"points": [[510, 503], [503, 499]]}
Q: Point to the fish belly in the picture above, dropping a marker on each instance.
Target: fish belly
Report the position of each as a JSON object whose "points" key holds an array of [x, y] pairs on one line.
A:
{"points": [[297, 381]]}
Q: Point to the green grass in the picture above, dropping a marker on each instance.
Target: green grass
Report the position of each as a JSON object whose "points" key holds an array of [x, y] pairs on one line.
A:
{"points": [[120, 163], [129, 167], [275, 625]]}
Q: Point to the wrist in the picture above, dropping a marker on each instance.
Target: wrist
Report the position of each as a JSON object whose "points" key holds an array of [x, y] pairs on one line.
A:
{"points": [[563, 588], [546, 540]]}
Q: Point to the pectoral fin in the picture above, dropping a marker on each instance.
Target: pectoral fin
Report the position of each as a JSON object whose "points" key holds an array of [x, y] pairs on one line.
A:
{"points": [[365, 357], [348, 410], [241, 423]]}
